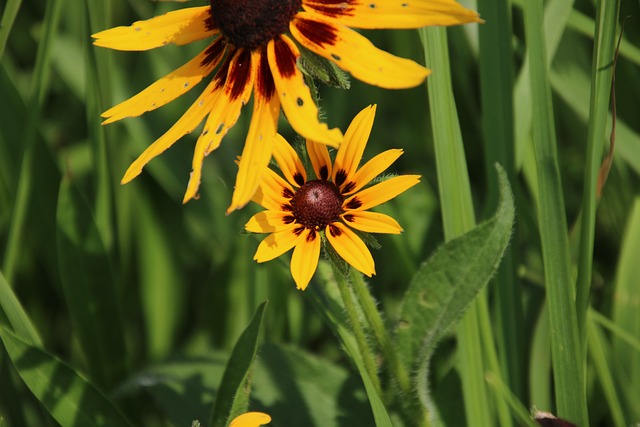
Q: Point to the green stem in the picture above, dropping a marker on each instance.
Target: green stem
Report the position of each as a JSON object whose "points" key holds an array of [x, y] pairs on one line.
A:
{"points": [[358, 331]]}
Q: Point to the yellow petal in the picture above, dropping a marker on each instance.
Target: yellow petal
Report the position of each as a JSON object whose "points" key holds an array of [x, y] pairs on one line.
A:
{"points": [[269, 222], [271, 191], [295, 96], [355, 140], [224, 114], [395, 14], [169, 87], [372, 222], [320, 160], [257, 151], [354, 53], [180, 27], [371, 169], [351, 248], [289, 162], [278, 243], [186, 124], [380, 193], [251, 419], [304, 260]]}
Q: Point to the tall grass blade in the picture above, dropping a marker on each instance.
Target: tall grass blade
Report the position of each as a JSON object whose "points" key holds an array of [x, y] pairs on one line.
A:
{"points": [[14, 315], [6, 24]]}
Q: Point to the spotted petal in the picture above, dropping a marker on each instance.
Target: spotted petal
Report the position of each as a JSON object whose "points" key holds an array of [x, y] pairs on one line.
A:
{"points": [[276, 244], [304, 260], [372, 222], [355, 53], [393, 13], [351, 248], [179, 27], [295, 96], [380, 193]]}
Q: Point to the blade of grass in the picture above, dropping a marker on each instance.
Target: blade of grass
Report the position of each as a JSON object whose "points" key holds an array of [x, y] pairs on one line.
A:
{"points": [[6, 24], [457, 213], [12, 311], [496, 83], [568, 371], [40, 85], [601, 74]]}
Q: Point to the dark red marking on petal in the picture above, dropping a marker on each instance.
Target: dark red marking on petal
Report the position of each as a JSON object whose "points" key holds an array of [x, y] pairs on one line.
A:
{"points": [[239, 74], [348, 187], [333, 8], [324, 173], [354, 203], [349, 217], [209, 24], [298, 178], [214, 52], [220, 77], [298, 230], [334, 231], [286, 208], [319, 33], [341, 175], [311, 236], [287, 194], [265, 86], [285, 58], [288, 219]]}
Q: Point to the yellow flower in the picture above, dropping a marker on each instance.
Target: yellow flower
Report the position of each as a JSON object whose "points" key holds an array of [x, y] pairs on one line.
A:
{"points": [[251, 419], [298, 210], [252, 50]]}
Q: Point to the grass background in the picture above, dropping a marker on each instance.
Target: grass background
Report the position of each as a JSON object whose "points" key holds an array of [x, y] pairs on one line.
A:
{"points": [[170, 288]]}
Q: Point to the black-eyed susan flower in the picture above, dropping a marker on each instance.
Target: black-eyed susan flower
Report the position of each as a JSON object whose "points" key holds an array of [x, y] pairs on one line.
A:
{"points": [[251, 419], [253, 50], [299, 210]]}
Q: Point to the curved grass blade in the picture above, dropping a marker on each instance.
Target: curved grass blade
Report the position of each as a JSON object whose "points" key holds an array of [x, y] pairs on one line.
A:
{"points": [[69, 398], [17, 318]]}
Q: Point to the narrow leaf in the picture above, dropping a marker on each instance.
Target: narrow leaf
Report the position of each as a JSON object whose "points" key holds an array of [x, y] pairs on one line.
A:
{"points": [[70, 399], [15, 315]]}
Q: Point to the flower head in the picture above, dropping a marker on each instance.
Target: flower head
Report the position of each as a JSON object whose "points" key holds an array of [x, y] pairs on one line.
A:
{"points": [[251, 419], [334, 203], [252, 50]]}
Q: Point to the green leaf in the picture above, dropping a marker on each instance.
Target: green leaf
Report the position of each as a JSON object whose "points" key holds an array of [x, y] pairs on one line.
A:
{"points": [[13, 312], [69, 398], [233, 395], [447, 284], [88, 286]]}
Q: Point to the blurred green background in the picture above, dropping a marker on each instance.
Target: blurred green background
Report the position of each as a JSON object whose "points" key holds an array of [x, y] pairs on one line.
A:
{"points": [[176, 285]]}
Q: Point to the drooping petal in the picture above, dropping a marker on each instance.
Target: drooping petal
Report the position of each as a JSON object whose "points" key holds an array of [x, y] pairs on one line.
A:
{"points": [[269, 222], [354, 53], [380, 193], [179, 27], [258, 146], [370, 170], [289, 162], [276, 244], [372, 222], [295, 96], [186, 124], [224, 112], [273, 192], [355, 140], [320, 160], [304, 260], [251, 419], [351, 248], [393, 13]]}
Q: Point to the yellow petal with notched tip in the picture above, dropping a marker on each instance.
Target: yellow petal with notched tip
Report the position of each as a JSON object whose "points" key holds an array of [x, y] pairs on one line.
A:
{"points": [[320, 159], [372, 168], [372, 14], [186, 124], [295, 96], [269, 222], [179, 27], [289, 162], [380, 193], [251, 419], [355, 53], [304, 260], [276, 244], [351, 248], [355, 140], [371, 222]]}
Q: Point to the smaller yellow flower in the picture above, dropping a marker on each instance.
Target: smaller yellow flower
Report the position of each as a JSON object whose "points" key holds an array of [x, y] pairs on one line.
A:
{"points": [[251, 419], [298, 209]]}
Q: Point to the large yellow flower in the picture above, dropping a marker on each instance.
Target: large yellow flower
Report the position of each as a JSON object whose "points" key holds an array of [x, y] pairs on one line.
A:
{"points": [[298, 210], [252, 50]]}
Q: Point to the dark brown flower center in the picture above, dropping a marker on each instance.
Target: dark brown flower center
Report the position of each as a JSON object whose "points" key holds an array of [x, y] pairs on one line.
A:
{"points": [[252, 23], [317, 204]]}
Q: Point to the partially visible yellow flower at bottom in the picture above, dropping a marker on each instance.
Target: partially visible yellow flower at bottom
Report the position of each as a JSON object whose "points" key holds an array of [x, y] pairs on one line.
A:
{"points": [[299, 210], [251, 419]]}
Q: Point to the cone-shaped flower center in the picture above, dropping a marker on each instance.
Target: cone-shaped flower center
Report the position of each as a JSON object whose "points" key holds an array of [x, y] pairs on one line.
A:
{"points": [[252, 23], [317, 204]]}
